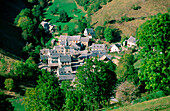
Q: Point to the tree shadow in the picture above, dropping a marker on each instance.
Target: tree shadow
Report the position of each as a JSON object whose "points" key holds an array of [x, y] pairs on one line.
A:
{"points": [[112, 21], [94, 23], [69, 18], [116, 34], [21, 86], [50, 4]]}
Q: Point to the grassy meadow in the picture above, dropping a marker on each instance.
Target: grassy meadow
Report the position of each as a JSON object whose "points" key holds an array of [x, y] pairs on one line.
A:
{"points": [[68, 6], [162, 103], [118, 8]]}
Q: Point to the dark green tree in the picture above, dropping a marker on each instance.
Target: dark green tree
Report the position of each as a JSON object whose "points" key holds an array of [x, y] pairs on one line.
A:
{"points": [[5, 105], [108, 34], [96, 80], [63, 16], [36, 11], [46, 96], [24, 71], [99, 32], [154, 40], [82, 24], [73, 97]]}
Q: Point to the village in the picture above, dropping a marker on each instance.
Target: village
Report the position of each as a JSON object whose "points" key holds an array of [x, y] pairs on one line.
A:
{"points": [[70, 52]]}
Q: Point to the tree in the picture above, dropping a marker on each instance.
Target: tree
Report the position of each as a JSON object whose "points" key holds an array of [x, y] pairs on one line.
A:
{"points": [[154, 40], [66, 28], [9, 84], [96, 81], [59, 28], [46, 96], [36, 12], [63, 16], [24, 71], [82, 24], [108, 34], [99, 31], [73, 97], [126, 92], [126, 71], [4, 103]]}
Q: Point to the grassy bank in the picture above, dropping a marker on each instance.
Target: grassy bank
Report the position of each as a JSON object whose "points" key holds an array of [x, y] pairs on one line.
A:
{"points": [[68, 6], [152, 105]]}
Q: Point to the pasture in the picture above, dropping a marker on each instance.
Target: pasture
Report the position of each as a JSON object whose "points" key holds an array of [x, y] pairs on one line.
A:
{"points": [[67, 5]]}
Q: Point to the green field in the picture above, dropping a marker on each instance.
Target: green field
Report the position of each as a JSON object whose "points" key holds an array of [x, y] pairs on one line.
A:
{"points": [[17, 103], [68, 6]]}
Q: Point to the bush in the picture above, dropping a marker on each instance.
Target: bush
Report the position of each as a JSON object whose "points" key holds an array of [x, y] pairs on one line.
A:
{"points": [[143, 18], [136, 7], [5, 105], [126, 92], [9, 84], [149, 97], [66, 28]]}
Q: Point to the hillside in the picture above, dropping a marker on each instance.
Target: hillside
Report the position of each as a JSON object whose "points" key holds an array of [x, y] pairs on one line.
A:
{"points": [[10, 35], [155, 104], [118, 8]]}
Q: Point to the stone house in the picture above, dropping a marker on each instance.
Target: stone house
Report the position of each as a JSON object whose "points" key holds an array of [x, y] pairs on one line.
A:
{"points": [[98, 47], [85, 41], [130, 42]]}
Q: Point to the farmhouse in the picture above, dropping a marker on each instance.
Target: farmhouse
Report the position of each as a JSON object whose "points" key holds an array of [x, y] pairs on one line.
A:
{"points": [[115, 48], [85, 41], [130, 42]]}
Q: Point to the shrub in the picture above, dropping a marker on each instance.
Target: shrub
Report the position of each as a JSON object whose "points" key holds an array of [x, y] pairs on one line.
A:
{"points": [[66, 28], [105, 22], [9, 84], [150, 96], [125, 18], [5, 105], [136, 7], [143, 18], [126, 92]]}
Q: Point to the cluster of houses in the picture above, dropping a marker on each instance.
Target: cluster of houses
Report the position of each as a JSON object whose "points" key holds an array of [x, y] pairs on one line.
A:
{"points": [[65, 58]]}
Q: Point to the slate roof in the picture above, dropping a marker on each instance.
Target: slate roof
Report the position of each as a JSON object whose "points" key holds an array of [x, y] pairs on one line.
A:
{"points": [[76, 47], [74, 38], [118, 45], [65, 70], [52, 51], [67, 77], [58, 47], [67, 47], [65, 58], [44, 51], [99, 46], [91, 31], [100, 53], [63, 37], [63, 42], [44, 57], [84, 39], [84, 56], [132, 39]]}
